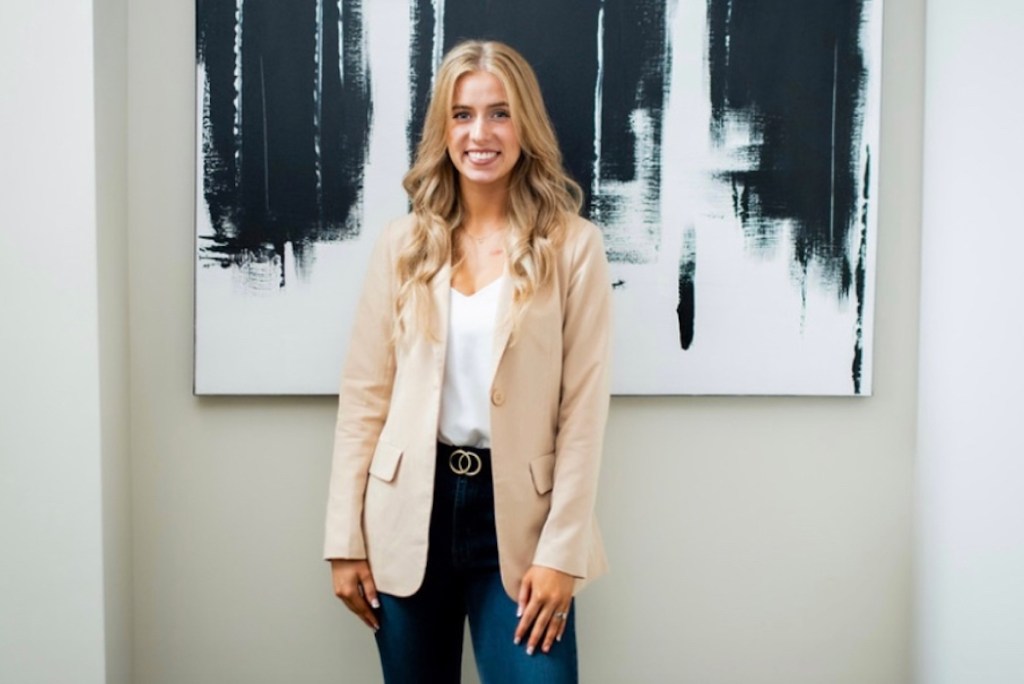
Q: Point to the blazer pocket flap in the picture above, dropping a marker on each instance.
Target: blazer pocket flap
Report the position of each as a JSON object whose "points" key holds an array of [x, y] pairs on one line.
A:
{"points": [[542, 469], [385, 461]]}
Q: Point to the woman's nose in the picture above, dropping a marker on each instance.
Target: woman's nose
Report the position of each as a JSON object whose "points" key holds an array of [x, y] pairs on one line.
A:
{"points": [[478, 131]]}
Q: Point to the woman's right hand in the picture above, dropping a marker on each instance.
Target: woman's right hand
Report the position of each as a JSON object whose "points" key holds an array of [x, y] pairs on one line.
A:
{"points": [[353, 584]]}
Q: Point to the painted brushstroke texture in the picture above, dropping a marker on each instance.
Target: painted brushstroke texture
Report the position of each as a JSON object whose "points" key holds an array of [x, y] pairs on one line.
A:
{"points": [[787, 86], [626, 191], [607, 110], [286, 128], [663, 111]]}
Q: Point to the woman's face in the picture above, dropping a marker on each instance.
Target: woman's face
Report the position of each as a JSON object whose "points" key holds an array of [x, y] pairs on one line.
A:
{"points": [[482, 141]]}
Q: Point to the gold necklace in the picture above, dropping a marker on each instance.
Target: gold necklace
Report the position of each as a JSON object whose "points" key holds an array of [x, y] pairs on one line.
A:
{"points": [[480, 240]]}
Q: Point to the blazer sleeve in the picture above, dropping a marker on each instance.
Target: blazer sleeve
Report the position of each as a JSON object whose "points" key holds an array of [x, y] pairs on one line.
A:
{"points": [[565, 540], [363, 401]]}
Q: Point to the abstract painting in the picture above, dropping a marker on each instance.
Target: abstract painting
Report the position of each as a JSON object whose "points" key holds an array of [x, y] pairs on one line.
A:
{"points": [[727, 148]]}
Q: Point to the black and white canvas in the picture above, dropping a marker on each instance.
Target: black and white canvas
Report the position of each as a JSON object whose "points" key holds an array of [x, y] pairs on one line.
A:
{"points": [[728, 148]]}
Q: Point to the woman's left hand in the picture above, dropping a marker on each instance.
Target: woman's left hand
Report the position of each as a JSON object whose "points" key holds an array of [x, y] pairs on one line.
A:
{"points": [[545, 597]]}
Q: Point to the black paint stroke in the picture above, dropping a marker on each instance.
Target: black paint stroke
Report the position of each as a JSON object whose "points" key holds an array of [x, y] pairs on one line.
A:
{"points": [[860, 280], [686, 310], [294, 172], [421, 68], [560, 40], [794, 73]]}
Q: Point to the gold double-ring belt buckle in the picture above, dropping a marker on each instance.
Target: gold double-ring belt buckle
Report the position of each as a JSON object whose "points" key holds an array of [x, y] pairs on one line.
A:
{"points": [[464, 462]]}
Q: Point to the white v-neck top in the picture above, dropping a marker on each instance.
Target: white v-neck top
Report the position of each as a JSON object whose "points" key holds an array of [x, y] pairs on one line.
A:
{"points": [[465, 418]]}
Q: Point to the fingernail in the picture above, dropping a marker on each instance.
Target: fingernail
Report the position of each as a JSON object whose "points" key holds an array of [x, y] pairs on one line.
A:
{"points": [[375, 603], [558, 638], [516, 641], [519, 611], [529, 650]]}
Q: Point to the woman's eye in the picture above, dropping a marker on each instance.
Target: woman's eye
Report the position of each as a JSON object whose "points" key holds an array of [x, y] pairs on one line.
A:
{"points": [[461, 116], [501, 114]]}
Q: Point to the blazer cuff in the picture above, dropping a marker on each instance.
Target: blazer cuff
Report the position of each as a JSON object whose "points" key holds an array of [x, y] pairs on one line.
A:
{"points": [[558, 556], [352, 548]]}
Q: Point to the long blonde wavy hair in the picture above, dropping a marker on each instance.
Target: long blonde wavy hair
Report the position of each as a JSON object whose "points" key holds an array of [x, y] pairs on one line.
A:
{"points": [[541, 193]]}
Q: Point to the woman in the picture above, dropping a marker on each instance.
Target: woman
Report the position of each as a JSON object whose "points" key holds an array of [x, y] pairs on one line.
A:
{"points": [[474, 396]]}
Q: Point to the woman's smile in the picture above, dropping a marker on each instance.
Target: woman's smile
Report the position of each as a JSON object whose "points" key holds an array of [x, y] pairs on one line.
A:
{"points": [[482, 157]]}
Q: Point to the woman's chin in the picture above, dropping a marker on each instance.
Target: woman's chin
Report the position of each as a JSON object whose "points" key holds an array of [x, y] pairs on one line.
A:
{"points": [[482, 178]]}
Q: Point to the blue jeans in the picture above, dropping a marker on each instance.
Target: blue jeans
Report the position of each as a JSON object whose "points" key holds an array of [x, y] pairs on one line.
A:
{"points": [[420, 636]]}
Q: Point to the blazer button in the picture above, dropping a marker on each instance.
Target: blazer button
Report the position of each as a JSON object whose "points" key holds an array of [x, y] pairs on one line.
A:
{"points": [[497, 397]]}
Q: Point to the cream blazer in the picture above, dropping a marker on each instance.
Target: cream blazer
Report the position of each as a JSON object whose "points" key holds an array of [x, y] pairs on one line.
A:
{"points": [[549, 404]]}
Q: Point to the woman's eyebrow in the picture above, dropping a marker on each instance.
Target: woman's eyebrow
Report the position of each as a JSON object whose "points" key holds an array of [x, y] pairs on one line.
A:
{"points": [[496, 105]]}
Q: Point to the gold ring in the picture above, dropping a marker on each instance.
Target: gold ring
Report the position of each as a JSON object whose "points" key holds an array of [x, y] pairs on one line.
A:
{"points": [[462, 462]]}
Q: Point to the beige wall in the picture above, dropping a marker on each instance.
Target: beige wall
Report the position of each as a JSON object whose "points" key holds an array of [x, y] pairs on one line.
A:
{"points": [[750, 543]]}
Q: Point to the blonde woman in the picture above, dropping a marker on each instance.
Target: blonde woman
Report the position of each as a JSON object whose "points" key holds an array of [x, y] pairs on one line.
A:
{"points": [[474, 396]]}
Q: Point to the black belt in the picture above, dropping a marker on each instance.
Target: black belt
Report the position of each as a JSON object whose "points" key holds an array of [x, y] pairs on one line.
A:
{"points": [[464, 461]]}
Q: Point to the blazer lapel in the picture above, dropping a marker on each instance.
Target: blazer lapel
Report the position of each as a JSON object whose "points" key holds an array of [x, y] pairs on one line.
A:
{"points": [[441, 287], [503, 324]]}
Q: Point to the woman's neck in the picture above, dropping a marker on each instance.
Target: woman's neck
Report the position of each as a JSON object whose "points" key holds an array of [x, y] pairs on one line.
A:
{"points": [[484, 208]]}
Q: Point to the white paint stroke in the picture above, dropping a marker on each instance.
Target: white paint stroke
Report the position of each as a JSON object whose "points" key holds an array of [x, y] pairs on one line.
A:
{"points": [[341, 45], [598, 104], [318, 103], [438, 51], [237, 102], [728, 33]]}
